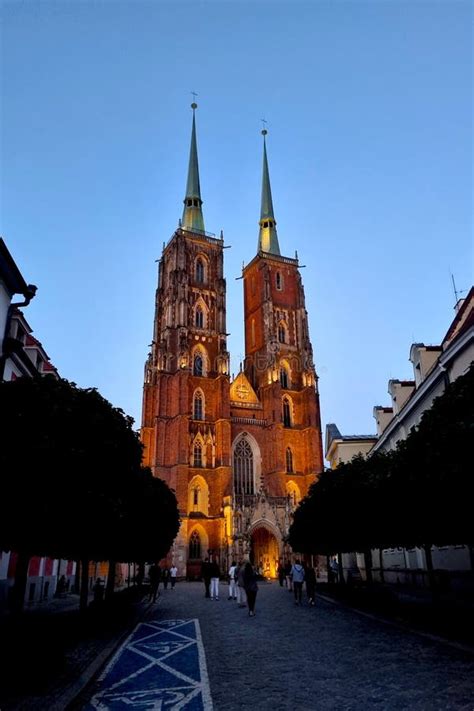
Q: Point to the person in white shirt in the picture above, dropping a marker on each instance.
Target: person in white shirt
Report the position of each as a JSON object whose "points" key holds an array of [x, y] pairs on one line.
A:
{"points": [[241, 594], [233, 581], [173, 574]]}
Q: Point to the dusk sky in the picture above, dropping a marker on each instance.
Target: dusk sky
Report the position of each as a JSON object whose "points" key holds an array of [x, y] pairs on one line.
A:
{"points": [[369, 111]]}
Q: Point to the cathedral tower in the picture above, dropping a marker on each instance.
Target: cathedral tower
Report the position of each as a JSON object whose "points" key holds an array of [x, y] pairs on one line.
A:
{"points": [[275, 406], [186, 418], [239, 455]]}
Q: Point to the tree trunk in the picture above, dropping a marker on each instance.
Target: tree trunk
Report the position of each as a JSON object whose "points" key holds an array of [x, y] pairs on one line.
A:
{"points": [[382, 574], [77, 578], [368, 566], [109, 588], [430, 569], [342, 579], [84, 594], [19, 586], [58, 578], [471, 555], [328, 569]]}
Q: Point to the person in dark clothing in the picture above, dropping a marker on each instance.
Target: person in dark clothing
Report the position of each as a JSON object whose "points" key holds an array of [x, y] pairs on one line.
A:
{"points": [[166, 578], [310, 578], [154, 575], [206, 576], [288, 576], [281, 573], [251, 587]]}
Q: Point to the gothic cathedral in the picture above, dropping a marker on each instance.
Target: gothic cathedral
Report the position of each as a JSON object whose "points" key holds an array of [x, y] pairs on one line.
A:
{"points": [[239, 454]]}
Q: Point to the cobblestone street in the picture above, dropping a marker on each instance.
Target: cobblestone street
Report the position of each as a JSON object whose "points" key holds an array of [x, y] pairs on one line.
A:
{"points": [[326, 657]]}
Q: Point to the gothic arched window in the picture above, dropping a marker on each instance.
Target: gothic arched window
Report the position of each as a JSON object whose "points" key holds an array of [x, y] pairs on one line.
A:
{"points": [[244, 481], [199, 321], [289, 461], [278, 281], [197, 455], [197, 406], [284, 377], [196, 492], [194, 546], [198, 365], [286, 412], [282, 333], [199, 271]]}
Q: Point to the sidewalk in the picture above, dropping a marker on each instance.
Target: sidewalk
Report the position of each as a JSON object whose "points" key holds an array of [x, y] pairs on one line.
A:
{"points": [[448, 615], [52, 651]]}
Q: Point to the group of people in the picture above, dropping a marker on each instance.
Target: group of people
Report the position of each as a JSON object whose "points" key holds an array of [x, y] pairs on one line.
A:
{"points": [[242, 583], [156, 575], [294, 575]]}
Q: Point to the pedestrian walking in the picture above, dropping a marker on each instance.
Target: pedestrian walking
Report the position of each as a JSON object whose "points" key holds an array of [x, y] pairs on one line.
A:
{"points": [[206, 576], [215, 572], [288, 576], [311, 584], [241, 594], [281, 573], [154, 576], [166, 578], [98, 590], [297, 573], [251, 587], [232, 581], [173, 575]]}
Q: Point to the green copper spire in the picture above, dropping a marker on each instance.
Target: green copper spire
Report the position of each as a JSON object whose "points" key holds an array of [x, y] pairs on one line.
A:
{"points": [[192, 213], [267, 238]]}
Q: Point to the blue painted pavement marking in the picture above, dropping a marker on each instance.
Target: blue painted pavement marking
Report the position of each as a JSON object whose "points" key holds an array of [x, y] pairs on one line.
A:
{"points": [[162, 665]]}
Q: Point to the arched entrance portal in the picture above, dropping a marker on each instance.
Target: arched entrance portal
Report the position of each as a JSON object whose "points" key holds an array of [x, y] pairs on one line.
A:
{"points": [[264, 552]]}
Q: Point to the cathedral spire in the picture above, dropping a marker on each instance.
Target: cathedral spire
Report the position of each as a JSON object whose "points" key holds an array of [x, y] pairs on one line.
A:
{"points": [[268, 238], [192, 213]]}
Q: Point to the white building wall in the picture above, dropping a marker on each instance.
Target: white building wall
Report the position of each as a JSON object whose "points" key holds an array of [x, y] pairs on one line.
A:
{"points": [[462, 363]]}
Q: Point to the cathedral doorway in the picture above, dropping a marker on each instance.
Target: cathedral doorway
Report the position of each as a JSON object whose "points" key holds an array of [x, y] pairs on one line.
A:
{"points": [[264, 552]]}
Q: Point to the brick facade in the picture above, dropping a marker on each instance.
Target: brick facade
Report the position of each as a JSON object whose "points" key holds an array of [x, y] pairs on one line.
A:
{"points": [[174, 428], [240, 454]]}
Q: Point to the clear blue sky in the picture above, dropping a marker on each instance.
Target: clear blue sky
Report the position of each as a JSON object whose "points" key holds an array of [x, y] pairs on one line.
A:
{"points": [[369, 110]]}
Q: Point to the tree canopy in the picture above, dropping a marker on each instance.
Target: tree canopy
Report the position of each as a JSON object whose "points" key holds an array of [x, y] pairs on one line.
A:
{"points": [[418, 494], [72, 479]]}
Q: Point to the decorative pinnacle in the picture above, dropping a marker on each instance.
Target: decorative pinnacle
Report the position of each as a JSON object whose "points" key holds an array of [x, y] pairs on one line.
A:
{"points": [[194, 106]]}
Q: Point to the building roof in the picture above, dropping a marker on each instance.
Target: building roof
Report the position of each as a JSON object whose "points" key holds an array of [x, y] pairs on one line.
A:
{"points": [[192, 214], [268, 237], [463, 320], [458, 336], [333, 435], [9, 272]]}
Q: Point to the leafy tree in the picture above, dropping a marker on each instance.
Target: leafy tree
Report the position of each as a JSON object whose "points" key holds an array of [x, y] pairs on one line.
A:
{"points": [[72, 477], [419, 494]]}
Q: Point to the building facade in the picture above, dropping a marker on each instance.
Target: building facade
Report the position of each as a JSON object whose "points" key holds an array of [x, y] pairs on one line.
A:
{"points": [[239, 453], [434, 367]]}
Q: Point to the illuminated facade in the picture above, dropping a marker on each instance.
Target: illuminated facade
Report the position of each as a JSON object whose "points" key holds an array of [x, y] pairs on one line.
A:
{"points": [[239, 454]]}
